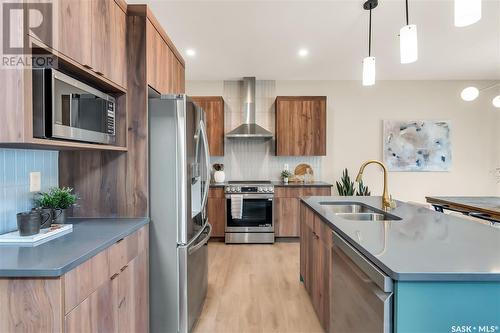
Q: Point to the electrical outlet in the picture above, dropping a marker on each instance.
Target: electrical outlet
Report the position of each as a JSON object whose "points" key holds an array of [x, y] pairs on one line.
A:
{"points": [[35, 181]]}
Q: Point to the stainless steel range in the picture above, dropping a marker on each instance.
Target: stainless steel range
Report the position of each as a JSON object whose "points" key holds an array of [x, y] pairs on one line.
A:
{"points": [[249, 212]]}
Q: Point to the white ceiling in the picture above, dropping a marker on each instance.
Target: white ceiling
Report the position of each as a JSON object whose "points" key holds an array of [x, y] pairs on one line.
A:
{"points": [[261, 38]]}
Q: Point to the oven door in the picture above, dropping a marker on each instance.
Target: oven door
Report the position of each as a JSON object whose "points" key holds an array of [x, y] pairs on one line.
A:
{"points": [[256, 216]]}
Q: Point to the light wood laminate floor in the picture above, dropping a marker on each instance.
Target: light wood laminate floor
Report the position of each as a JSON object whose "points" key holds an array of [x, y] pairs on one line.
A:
{"points": [[256, 288]]}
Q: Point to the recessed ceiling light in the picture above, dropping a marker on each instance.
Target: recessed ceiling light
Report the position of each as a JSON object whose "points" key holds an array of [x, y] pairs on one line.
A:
{"points": [[303, 53], [190, 52]]}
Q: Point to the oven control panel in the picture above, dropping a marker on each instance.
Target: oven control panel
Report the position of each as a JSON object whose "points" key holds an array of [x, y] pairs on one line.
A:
{"points": [[249, 189]]}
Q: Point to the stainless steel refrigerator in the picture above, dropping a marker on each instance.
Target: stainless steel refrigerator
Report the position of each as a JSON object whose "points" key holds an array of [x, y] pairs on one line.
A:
{"points": [[179, 170]]}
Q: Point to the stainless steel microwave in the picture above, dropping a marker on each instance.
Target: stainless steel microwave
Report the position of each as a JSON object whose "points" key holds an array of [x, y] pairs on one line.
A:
{"points": [[65, 108]]}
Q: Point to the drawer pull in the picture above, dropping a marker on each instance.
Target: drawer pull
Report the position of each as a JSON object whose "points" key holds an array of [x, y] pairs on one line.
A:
{"points": [[118, 241], [114, 276], [87, 66], [123, 268]]}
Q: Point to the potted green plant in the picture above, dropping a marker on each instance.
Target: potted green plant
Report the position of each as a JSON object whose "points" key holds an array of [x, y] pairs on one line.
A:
{"points": [[285, 176], [346, 187], [57, 200]]}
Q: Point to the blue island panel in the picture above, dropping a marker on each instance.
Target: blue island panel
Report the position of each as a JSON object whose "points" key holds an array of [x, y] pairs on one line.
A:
{"points": [[447, 307]]}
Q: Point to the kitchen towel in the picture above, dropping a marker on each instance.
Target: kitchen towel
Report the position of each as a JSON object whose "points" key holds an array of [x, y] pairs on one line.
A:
{"points": [[236, 206]]}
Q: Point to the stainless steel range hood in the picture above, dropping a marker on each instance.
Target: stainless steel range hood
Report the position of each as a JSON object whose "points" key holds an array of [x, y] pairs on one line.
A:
{"points": [[249, 129]]}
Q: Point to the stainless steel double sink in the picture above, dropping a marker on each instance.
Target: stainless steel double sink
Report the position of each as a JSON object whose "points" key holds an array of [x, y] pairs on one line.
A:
{"points": [[356, 211]]}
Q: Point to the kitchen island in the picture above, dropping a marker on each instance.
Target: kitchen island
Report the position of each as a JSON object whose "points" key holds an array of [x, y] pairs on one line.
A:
{"points": [[96, 275], [430, 272]]}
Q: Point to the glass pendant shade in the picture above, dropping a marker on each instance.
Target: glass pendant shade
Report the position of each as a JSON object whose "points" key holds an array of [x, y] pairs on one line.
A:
{"points": [[469, 94], [408, 44], [467, 12], [369, 71], [496, 101]]}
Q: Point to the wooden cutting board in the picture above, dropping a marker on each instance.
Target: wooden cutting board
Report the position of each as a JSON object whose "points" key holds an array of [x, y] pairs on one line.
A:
{"points": [[301, 169]]}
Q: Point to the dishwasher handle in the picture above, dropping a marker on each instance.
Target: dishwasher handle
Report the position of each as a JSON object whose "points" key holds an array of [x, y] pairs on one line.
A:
{"points": [[383, 281]]}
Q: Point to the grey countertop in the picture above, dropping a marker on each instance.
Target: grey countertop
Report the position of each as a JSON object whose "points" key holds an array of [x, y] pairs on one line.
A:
{"points": [[423, 246], [58, 256], [298, 184], [279, 183]]}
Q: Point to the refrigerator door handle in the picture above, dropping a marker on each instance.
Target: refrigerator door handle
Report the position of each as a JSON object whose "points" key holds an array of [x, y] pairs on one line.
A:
{"points": [[192, 249], [203, 133]]}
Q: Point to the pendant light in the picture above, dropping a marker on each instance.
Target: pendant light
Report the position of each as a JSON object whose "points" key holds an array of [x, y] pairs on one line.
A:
{"points": [[471, 93], [369, 62], [496, 101], [467, 12], [408, 44]]}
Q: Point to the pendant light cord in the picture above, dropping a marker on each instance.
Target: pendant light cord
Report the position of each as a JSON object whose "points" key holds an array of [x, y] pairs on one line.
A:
{"points": [[370, 35], [407, 20]]}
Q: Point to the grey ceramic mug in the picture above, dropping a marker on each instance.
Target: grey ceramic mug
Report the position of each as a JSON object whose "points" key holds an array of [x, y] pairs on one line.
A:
{"points": [[45, 216], [28, 223]]}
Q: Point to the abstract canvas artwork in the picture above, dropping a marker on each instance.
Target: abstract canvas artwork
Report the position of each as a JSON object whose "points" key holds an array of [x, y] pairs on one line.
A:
{"points": [[420, 145]]}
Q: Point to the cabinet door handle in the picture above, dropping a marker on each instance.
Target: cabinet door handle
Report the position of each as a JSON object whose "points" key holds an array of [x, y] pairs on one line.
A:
{"points": [[99, 73], [123, 268], [118, 241], [87, 66], [114, 276]]}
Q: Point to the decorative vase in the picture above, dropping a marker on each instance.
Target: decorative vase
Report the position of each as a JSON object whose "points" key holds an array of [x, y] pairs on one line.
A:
{"points": [[219, 176], [285, 180]]}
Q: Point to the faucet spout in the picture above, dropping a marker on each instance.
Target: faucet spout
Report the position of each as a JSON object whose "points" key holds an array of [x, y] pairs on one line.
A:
{"points": [[387, 202]]}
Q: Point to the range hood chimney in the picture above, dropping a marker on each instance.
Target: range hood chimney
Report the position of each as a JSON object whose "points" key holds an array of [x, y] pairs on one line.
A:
{"points": [[249, 129]]}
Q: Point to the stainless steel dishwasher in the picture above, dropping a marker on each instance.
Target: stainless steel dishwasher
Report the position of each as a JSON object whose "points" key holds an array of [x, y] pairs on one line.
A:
{"points": [[360, 293]]}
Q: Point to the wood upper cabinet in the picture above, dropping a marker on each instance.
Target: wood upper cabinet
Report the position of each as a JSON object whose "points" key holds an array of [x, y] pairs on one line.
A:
{"points": [[118, 46], [93, 33], [164, 70], [109, 34], [315, 255], [102, 17], [301, 126], [287, 207], [71, 14], [214, 118], [216, 211]]}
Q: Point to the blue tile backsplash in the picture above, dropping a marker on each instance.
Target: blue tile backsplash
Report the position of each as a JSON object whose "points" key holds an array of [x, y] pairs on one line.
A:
{"points": [[15, 167]]}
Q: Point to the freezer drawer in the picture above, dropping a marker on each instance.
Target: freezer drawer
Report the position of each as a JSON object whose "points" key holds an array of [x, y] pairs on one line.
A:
{"points": [[360, 294], [193, 274]]}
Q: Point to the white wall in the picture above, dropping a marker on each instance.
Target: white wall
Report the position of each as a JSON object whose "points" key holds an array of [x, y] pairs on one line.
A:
{"points": [[355, 115]]}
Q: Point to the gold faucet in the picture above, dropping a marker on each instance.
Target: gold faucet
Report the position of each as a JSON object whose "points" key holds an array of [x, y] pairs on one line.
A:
{"points": [[387, 202]]}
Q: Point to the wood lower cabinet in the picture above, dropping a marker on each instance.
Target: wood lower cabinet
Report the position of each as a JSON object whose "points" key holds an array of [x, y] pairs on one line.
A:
{"points": [[315, 260], [214, 118], [31, 305], [300, 125], [97, 313], [96, 296], [287, 207], [216, 211]]}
